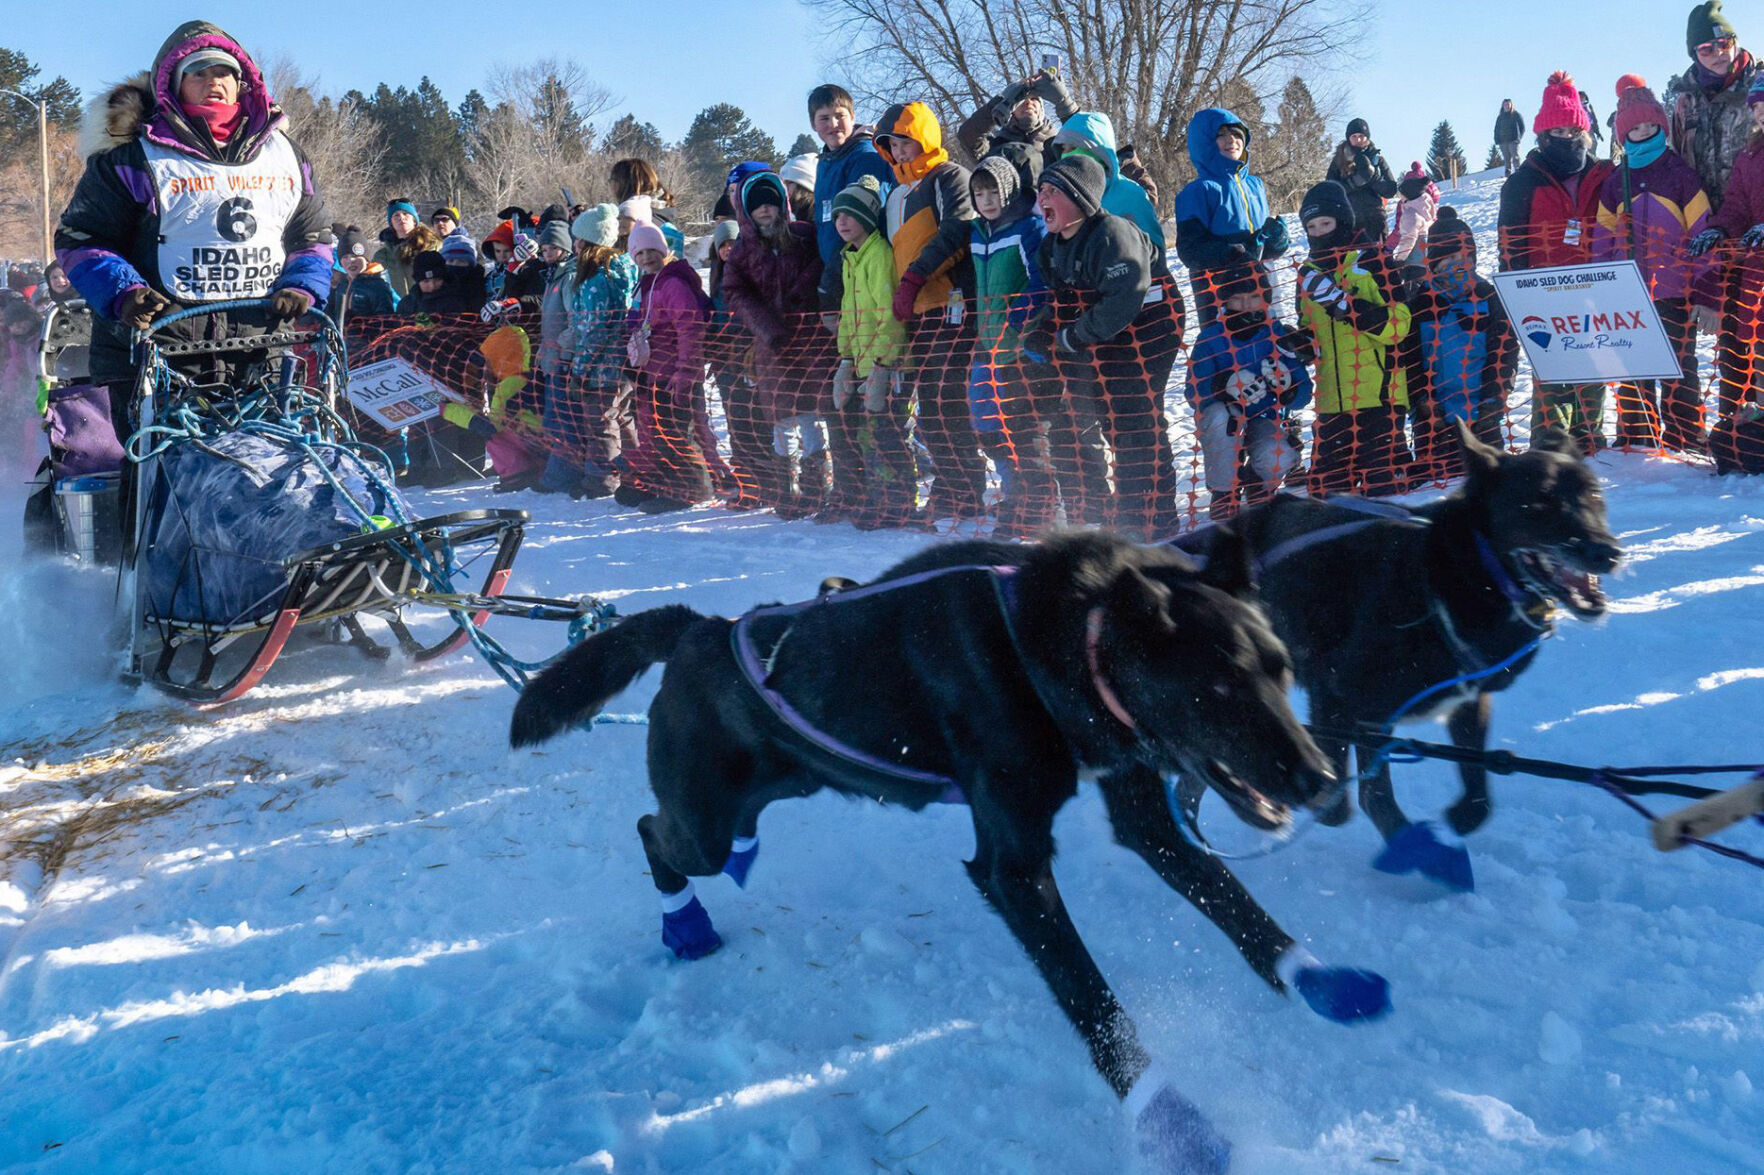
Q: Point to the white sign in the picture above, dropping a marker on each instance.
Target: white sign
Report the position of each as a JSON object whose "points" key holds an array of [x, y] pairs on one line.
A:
{"points": [[396, 394], [1587, 323]]}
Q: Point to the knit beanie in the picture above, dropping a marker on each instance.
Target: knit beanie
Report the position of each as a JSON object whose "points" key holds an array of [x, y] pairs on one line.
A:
{"points": [[400, 205], [729, 230], [447, 210], [555, 233], [765, 188], [428, 263], [1328, 198], [598, 225], [1756, 93], [645, 236], [1358, 126], [1636, 106], [800, 169], [1706, 23], [862, 201], [1243, 277], [353, 243], [1628, 81], [1449, 234], [1561, 106], [1081, 178], [639, 208], [998, 169], [742, 172], [458, 248]]}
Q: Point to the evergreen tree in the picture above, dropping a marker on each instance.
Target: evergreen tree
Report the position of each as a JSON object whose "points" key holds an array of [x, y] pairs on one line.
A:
{"points": [[18, 122], [470, 117], [630, 139], [806, 144], [1297, 150], [720, 137], [1444, 157], [1494, 158], [563, 132]]}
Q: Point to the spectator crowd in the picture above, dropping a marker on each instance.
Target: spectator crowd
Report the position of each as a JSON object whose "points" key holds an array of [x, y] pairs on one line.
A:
{"points": [[877, 331]]}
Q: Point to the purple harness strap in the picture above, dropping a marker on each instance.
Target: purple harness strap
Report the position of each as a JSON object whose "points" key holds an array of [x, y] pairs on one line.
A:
{"points": [[758, 673]]}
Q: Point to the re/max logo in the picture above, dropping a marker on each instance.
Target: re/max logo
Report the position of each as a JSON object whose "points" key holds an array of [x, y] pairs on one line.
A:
{"points": [[1586, 324]]}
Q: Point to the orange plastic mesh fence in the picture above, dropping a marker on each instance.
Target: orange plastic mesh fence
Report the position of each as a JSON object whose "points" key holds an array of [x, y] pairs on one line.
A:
{"points": [[1344, 374]]}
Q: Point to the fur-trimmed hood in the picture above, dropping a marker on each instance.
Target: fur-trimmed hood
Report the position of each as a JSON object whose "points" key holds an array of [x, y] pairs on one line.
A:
{"points": [[146, 104]]}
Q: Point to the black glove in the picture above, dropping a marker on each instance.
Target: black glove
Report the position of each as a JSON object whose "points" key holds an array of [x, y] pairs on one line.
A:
{"points": [[1704, 241], [289, 304], [481, 426], [140, 306], [1273, 237], [1049, 85], [1006, 101]]}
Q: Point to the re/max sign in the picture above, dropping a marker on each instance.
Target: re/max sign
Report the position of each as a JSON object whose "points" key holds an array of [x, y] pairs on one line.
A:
{"points": [[1588, 324]]}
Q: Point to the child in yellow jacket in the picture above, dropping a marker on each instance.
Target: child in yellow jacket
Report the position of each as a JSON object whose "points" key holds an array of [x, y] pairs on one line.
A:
{"points": [[872, 342], [1361, 393]]}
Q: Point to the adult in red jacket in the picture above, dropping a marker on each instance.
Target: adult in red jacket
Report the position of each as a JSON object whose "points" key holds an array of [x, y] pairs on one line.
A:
{"points": [[1548, 209], [770, 284]]}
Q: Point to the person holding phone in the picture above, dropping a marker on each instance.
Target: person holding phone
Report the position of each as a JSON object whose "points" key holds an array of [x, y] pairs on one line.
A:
{"points": [[1017, 115]]}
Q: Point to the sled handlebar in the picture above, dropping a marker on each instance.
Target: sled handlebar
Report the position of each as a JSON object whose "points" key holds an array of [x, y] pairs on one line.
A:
{"points": [[315, 316]]}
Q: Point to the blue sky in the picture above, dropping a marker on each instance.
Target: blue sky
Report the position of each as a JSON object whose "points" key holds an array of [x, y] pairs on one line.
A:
{"points": [[1423, 61]]}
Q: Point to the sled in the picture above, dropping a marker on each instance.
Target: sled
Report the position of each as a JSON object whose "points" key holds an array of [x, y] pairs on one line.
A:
{"points": [[233, 483]]}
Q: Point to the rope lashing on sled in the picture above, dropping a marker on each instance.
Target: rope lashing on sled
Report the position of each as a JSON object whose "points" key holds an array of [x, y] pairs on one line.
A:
{"points": [[1624, 783]]}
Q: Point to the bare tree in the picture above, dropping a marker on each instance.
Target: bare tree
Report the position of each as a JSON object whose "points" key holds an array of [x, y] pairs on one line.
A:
{"points": [[343, 146], [1148, 64], [552, 103], [21, 190]]}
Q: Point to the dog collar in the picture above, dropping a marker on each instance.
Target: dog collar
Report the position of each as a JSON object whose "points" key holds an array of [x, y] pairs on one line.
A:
{"points": [[1503, 580], [1092, 640]]}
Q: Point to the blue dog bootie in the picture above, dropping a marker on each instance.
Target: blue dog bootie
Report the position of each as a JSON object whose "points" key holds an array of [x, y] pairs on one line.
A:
{"points": [[686, 928], [1432, 850], [1347, 995], [1172, 1133], [743, 852]]}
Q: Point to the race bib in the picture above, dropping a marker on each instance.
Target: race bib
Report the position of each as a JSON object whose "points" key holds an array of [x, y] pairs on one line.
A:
{"points": [[221, 224]]}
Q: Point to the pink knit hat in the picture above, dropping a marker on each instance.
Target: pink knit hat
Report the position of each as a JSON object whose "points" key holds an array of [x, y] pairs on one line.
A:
{"points": [[1416, 171], [645, 236], [1561, 106], [1636, 106]]}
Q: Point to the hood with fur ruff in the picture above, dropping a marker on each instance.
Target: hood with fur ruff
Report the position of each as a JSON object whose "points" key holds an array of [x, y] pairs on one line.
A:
{"points": [[146, 104]]}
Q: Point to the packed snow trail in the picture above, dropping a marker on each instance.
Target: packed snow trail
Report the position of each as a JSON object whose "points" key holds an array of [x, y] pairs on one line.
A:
{"points": [[338, 926]]}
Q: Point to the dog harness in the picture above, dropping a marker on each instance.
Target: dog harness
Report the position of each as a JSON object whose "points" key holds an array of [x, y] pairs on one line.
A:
{"points": [[1521, 599], [756, 666]]}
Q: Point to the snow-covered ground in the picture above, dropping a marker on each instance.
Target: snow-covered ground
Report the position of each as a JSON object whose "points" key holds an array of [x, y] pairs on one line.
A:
{"points": [[339, 926]]}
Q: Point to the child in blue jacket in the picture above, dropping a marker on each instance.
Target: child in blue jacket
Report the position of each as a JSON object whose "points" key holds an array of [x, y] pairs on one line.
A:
{"points": [[1223, 219], [1245, 380], [1461, 354]]}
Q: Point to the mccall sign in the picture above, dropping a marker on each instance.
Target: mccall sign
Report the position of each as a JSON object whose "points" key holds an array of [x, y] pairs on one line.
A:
{"points": [[396, 394], [1587, 324]]}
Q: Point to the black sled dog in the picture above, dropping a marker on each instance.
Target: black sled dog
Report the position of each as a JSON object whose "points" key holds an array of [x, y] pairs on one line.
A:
{"points": [[1002, 671], [1378, 610]]}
